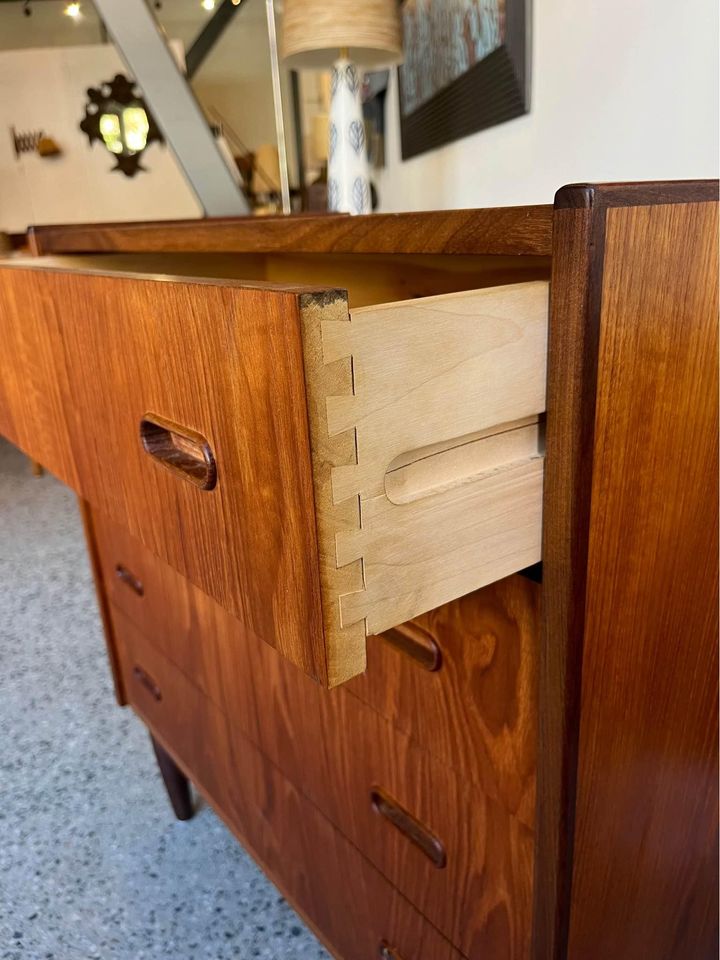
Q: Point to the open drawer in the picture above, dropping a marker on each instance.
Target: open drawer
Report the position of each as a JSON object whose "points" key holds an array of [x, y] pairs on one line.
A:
{"points": [[323, 474]]}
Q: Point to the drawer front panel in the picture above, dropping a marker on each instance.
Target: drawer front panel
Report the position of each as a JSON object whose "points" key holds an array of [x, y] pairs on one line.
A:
{"points": [[354, 909], [453, 851], [456, 850], [179, 408], [191, 727], [177, 618], [462, 681]]}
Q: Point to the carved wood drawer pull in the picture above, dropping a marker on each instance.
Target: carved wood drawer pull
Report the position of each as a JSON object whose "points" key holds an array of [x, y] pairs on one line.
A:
{"points": [[386, 952], [416, 643], [415, 831], [182, 451], [129, 579], [147, 681]]}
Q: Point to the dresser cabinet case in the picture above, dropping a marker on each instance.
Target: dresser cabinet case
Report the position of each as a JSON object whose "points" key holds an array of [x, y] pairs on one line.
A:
{"points": [[404, 531]]}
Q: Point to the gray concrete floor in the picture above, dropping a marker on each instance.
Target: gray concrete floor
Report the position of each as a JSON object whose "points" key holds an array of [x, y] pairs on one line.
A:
{"points": [[92, 863]]}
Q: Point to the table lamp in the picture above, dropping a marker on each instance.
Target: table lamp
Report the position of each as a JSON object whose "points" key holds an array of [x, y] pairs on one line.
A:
{"points": [[346, 35]]}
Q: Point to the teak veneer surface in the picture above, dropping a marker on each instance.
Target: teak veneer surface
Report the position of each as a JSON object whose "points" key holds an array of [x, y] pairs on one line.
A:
{"points": [[645, 878], [668, 274], [500, 230], [348, 903], [337, 750], [87, 357]]}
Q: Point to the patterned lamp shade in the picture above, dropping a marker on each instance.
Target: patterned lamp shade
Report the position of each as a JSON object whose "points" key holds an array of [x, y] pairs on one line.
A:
{"points": [[368, 32]]}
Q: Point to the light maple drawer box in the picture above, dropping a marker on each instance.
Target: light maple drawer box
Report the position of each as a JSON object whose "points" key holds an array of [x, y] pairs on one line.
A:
{"points": [[323, 474]]}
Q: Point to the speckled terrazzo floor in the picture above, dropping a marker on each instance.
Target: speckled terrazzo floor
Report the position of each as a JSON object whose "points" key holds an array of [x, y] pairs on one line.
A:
{"points": [[92, 863]]}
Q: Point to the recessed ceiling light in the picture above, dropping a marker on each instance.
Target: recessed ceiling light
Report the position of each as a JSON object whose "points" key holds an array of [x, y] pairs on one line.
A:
{"points": [[208, 4], [72, 10]]}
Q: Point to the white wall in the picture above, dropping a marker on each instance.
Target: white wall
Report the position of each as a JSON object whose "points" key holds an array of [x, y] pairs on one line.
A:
{"points": [[45, 89], [621, 90]]}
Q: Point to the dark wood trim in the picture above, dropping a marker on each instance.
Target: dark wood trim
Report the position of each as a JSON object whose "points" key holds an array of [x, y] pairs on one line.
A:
{"points": [[503, 230], [574, 337], [572, 348], [103, 601], [583, 195]]}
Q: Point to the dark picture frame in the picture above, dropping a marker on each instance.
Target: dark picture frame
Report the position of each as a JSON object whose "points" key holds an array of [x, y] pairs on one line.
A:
{"points": [[494, 90]]}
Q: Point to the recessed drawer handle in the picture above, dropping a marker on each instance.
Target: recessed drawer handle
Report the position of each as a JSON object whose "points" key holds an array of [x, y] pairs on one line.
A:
{"points": [[407, 824], [147, 681], [414, 642], [182, 451], [386, 952], [129, 579]]}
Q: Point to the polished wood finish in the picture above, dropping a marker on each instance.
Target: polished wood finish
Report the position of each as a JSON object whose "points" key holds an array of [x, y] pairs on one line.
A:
{"points": [[645, 876], [223, 360], [400, 812], [478, 710], [189, 726], [579, 298], [102, 580], [178, 619], [176, 783], [338, 751], [184, 452], [503, 230]]}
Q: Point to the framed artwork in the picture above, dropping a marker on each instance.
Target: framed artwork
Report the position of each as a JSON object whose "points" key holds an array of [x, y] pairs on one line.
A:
{"points": [[465, 69]]}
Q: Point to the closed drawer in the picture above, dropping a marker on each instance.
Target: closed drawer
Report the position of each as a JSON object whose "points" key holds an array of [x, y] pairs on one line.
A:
{"points": [[186, 722], [171, 613], [456, 853], [462, 681], [323, 475], [354, 909], [458, 850]]}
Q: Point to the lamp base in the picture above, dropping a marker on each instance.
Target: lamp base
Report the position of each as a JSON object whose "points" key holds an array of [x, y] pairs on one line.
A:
{"points": [[348, 169]]}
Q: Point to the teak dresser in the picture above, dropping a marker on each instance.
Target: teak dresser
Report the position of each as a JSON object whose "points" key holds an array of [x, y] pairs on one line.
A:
{"points": [[404, 530]]}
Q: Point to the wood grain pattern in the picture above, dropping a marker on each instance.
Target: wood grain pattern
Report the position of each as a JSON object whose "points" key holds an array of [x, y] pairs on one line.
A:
{"points": [[224, 361], [178, 619], [574, 343], [368, 278], [93, 534], [478, 711], [572, 351], [336, 750], [189, 725], [502, 230], [399, 397], [645, 878]]}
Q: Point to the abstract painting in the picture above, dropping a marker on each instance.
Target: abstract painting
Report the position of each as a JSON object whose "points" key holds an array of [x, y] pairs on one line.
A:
{"points": [[464, 68]]}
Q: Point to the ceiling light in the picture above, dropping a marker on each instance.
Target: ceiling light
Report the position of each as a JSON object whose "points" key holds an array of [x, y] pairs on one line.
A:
{"points": [[208, 4], [72, 10]]}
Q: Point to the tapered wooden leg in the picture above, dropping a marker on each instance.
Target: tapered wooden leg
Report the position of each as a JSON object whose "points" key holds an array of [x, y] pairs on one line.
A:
{"points": [[176, 783], [36, 468]]}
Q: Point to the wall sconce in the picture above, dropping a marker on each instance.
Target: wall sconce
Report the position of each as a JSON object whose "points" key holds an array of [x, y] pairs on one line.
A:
{"points": [[118, 117]]}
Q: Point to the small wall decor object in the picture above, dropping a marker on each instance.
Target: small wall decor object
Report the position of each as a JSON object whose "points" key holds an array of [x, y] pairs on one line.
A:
{"points": [[465, 68], [344, 34], [119, 118]]}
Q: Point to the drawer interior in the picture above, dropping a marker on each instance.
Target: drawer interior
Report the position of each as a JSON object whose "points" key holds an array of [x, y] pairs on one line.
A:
{"points": [[368, 278]]}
